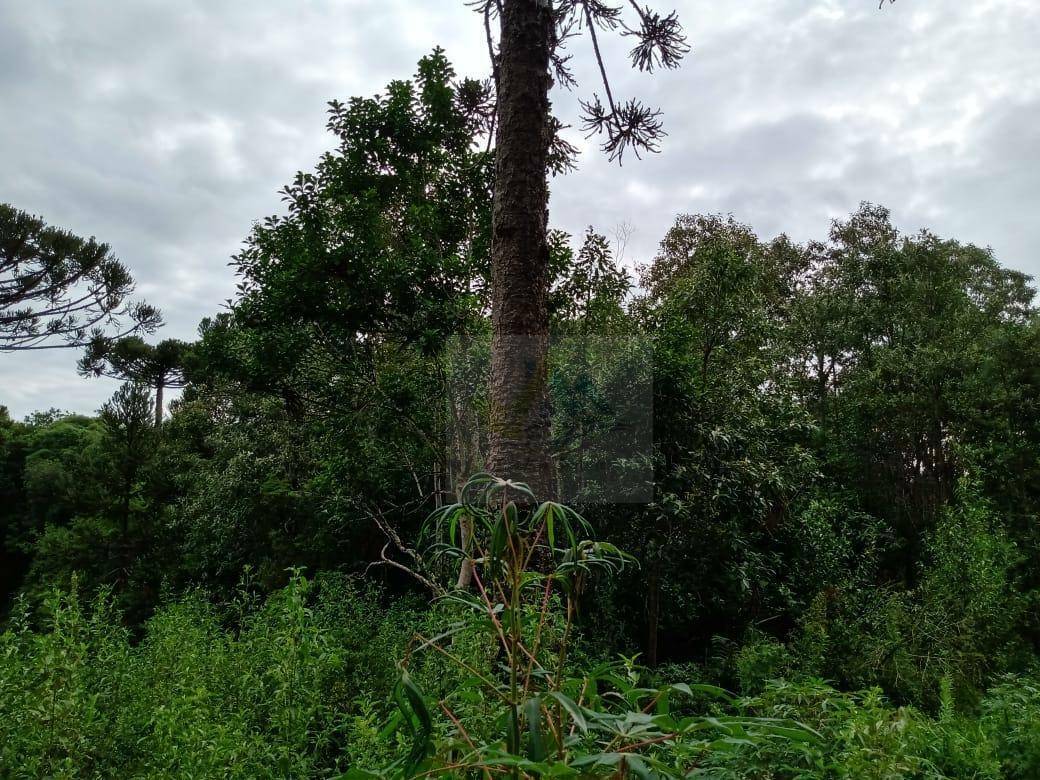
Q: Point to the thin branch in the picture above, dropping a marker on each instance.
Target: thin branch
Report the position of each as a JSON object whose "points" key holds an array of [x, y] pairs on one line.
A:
{"points": [[429, 584]]}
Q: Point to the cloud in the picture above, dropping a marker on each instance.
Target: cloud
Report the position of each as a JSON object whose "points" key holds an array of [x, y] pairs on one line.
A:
{"points": [[789, 114], [166, 129]]}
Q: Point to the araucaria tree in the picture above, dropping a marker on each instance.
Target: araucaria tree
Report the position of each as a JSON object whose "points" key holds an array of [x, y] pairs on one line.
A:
{"points": [[126, 418], [530, 54], [158, 366], [60, 290]]}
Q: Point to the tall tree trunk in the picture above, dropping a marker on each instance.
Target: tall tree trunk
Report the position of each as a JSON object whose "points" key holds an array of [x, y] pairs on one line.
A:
{"points": [[520, 412], [124, 509], [466, 569], [653, 611], [159, 402], [465, 458]]}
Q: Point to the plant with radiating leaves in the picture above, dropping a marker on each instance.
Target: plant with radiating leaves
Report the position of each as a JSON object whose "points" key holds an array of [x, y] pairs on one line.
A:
{"points": [[531, 563]]}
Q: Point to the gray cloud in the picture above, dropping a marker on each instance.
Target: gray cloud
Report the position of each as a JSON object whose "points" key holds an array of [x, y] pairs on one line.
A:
{"points": [[166, 129]]}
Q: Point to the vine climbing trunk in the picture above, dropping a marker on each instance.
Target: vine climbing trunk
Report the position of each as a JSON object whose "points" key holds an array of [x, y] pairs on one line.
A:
{"points": [[520, 414]]}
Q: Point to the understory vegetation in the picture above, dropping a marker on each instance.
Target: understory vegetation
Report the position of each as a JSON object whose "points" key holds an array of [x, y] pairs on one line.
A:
{"points": [[796, 529], [302, 684]]}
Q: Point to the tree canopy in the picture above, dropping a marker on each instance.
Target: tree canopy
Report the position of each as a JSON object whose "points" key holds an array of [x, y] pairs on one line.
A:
{"points": [[60, 290], [787, 525]]}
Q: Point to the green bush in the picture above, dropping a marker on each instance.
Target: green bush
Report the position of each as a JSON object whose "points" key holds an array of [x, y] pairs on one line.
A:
{"points": [[961, 623], [761, 658], [304, 683], [864, 737], [1011, 721], [282, 688]]}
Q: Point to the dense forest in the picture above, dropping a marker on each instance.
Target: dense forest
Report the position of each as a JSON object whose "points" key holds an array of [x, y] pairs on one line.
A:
{"points": [[790, 526]]}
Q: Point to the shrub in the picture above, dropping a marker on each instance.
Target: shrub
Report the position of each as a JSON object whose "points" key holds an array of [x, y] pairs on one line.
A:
{"points": [[959, 624], [761, 658], [864, 737], [274, 689], [529, 712], [1011, 720]]}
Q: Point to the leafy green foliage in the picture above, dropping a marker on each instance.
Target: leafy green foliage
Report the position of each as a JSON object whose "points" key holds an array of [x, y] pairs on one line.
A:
{"points": [[282, 693], [956, 627], [840, 515], [536, 713], [303, 684], [863, 736], [384, 238]]}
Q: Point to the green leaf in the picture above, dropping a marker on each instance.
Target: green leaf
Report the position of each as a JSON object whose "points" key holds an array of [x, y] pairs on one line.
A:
{"points": [[572, 709], [638, 767], [417, 704], [513, 730], [710, 690], [533, 713]]}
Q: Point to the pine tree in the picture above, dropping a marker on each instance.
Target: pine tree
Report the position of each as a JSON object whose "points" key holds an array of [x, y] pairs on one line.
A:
{"points": [[60, 290]]}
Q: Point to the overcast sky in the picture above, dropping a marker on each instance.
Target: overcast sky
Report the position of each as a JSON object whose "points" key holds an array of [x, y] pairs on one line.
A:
{"points": [[166, 128]]}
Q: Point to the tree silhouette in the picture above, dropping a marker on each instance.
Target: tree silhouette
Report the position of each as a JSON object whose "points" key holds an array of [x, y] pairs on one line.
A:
{"points": [[60, 290], [131, 359], [126, 418]]}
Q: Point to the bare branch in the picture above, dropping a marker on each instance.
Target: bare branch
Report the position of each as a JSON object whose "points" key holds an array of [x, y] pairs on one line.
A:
{"points": [[429, 584]]}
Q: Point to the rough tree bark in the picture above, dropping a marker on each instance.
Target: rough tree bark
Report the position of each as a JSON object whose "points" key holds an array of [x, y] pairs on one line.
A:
{"points": [[520, 414]]}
